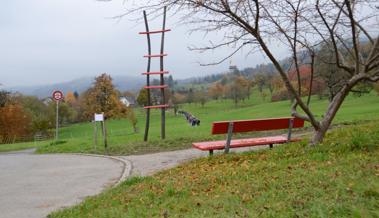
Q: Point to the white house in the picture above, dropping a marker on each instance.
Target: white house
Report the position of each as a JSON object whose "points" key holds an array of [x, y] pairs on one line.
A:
{"points": [[127, 101]]}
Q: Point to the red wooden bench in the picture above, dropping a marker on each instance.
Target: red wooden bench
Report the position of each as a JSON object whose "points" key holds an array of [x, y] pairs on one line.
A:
{"points": [[241, 126]]}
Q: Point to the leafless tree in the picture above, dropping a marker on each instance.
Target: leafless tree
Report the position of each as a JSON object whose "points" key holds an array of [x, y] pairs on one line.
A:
{"points": [[299, 26]]}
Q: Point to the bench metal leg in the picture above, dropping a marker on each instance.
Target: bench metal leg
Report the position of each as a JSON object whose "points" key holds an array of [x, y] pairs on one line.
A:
{"points": [[271, 146], [229, 138], [210, 152]]}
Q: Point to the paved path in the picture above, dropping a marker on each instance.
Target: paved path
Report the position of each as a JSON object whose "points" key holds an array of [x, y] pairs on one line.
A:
{"points": [[148, 164], [32, 186]]}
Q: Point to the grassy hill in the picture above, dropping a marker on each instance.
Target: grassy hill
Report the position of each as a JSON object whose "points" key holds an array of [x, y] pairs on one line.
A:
{"points": [[180, 134], [122, 140], [336, 179]]}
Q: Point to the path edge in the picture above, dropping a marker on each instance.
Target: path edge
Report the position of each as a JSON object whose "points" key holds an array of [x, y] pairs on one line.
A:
{"points": [[127, 165]]}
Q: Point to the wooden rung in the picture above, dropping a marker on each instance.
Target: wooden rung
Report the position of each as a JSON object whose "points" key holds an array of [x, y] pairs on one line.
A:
{"points": [[155, 56], [155, 73], [157, 31], [156, 106], [156, 87]]}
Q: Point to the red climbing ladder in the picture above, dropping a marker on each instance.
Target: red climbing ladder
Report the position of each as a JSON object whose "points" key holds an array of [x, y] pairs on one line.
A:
{"points": [[160, 73]]}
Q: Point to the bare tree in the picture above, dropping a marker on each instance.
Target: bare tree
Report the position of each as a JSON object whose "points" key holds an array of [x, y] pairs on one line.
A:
{"points": [[297, 25]]}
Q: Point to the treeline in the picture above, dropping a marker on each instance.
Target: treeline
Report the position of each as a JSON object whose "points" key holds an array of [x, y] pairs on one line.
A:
{"points": [[324, 79], [24, 117], [238, 86]]}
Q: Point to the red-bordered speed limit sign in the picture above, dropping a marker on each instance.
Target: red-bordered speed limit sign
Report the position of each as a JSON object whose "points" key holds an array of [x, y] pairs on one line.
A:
{"points": [[57, 95]]}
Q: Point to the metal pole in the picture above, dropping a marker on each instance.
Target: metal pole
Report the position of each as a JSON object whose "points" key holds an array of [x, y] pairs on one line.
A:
{"points": [[229, 138], [57, 123]]}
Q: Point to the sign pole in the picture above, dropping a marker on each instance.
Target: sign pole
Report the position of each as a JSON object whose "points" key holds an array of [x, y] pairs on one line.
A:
{"points": [[57, 123], [57, 96]]}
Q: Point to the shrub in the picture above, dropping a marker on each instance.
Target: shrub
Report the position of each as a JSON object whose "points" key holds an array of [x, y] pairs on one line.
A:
{"points": [[280, 95]]}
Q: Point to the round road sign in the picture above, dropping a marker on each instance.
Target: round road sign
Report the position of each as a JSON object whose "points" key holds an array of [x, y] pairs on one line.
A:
{"points": [[57, 95]]}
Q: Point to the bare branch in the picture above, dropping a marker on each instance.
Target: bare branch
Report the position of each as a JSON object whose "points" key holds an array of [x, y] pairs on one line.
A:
{"points": [[353, 35], [226, 58]]}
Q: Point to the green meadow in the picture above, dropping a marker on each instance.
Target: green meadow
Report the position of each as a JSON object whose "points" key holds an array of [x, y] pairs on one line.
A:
{"points": [[179, 134], [122, 139]]}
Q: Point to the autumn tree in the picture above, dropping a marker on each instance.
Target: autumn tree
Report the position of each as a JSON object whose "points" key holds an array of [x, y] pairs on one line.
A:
{"points": [[201, 97], [178, 98], [39, 113], [300, 26], [14, 122], [142, 98], [236, 90], [245, 85], [102, 97], [70, 98], [216, 90], [260, 81]]}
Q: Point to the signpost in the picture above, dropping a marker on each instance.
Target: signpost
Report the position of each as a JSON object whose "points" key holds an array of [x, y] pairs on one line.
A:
{"points": [[100, 118], [57, 96]]}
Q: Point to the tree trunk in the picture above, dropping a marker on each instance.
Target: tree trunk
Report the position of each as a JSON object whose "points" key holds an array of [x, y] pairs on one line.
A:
{"points": [[319, 135], [333, 108]]}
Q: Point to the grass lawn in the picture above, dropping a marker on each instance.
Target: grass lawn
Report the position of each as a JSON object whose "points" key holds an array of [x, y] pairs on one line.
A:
{"points": [[122, 140], [339, 178], [20, 146]]}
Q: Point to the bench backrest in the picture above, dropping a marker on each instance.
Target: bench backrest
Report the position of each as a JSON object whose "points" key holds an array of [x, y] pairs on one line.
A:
{"points": [[240, 126]]}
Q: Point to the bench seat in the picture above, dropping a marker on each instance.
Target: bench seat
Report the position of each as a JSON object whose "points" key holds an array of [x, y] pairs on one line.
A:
{"points": [[243, 126], [237, 143]]}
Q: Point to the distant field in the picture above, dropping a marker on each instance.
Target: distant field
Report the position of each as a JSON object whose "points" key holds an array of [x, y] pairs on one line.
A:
{"points": [[122, 140]]}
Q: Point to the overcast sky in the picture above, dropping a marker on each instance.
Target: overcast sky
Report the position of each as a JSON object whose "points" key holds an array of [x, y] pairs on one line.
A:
{"points": [[45, 42]]}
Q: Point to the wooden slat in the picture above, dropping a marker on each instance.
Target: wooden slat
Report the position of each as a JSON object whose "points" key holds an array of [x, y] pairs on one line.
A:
{"points": [[237, 143], [156, 87], [156, 106], [155, 73], [256, 125], [156, 31], [155, 56]]}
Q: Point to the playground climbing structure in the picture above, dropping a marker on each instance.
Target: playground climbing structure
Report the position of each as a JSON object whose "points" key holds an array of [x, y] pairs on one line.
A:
{"points": [[162, 86]]}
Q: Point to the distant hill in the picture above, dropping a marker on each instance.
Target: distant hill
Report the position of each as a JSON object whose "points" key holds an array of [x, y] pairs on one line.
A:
{"points": [[122, 83], [130, 83]]}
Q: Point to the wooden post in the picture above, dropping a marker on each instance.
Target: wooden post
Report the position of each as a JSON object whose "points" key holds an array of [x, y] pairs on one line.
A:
{"points": [[229, 138], [105, 134], [146, 136], [95, 134], [163, 110]]}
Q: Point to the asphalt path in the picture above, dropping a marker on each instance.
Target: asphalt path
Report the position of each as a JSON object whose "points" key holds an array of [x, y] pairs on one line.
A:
{"points": [[32, 186]]}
